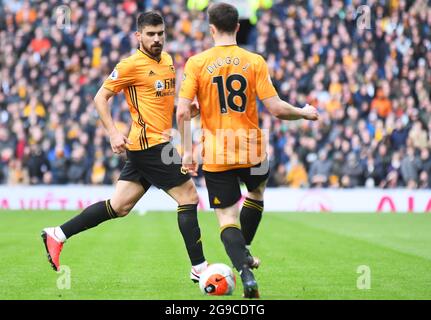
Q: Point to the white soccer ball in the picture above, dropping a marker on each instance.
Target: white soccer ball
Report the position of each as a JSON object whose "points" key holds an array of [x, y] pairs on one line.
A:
{"points": [[217, 280]]}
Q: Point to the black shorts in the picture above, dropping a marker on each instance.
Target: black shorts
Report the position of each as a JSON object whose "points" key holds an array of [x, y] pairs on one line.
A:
{"points": [[148, 168], [224, 186]]}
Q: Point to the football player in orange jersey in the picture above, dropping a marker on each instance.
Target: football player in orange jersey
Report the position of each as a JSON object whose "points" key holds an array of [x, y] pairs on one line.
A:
{"points": [[226, 80], [147, 79]]}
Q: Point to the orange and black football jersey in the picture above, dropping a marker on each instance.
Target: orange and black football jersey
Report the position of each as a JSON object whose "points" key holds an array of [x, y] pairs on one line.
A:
{"points": [[227, 80], [149, 88]]}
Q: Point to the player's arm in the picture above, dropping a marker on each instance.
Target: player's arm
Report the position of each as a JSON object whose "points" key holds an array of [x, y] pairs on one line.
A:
{"points": [[117, 139], [121, 77], [185, 111], [194, 108], [279, 108], [285, 111]]}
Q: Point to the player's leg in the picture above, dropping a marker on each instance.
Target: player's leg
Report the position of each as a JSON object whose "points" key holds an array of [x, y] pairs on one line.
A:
{"points": [[125, 196], [187, 198], [234, 243], [231, 236], [224, 193], [251, 211], [128, 190], [161, 165]]}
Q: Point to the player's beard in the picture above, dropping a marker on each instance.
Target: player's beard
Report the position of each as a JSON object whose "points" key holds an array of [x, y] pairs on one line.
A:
{"points": [[154, 50]]}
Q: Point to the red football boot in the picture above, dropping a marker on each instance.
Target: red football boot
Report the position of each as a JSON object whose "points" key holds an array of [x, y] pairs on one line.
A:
{"points": [[53, 247]]}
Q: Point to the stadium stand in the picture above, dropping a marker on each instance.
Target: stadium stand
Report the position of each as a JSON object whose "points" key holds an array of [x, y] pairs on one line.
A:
{"points": [[365, 64]]}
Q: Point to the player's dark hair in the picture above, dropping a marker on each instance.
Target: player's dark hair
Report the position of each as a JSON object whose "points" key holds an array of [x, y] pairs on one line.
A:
{"points": [[150, 18], [223, 16]]}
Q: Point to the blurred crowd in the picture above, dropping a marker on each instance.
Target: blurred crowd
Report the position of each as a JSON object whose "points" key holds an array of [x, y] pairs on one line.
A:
{"points": [[366, 68]]}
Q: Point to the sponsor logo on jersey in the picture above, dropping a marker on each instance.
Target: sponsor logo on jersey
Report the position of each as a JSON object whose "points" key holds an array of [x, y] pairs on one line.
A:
{"points": [[165, 87], [158, 85]]}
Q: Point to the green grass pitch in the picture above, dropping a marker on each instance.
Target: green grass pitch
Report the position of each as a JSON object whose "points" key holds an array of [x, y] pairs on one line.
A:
{"points": [[304, 256]]}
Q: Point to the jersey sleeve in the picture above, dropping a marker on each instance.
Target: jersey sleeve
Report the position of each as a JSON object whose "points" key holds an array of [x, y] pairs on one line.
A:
{"points": [[264, 86], [121, 77], [189, 85]]}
